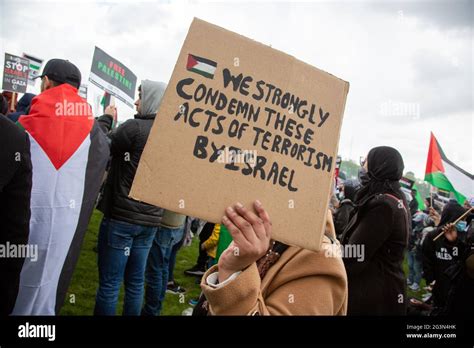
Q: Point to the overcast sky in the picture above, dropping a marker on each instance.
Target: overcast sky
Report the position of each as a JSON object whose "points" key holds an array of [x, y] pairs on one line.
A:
{"points": [[409, 64]]}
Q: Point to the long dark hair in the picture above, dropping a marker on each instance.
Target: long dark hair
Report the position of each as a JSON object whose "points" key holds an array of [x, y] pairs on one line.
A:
{"points": [[384, 170]]}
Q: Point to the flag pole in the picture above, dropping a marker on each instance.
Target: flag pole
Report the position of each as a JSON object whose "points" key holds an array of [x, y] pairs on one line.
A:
{"points": [[431, 196], [454, 223]]}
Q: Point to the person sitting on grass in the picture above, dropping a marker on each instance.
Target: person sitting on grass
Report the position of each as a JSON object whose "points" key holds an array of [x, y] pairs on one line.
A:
{"points": [[267, 277]]}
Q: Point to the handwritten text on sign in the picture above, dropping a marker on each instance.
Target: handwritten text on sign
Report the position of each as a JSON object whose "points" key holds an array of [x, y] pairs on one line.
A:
{"points": [[295, 143]]}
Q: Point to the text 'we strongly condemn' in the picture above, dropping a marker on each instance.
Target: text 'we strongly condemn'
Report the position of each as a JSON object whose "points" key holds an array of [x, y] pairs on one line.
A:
{"points": [[285, 134]]}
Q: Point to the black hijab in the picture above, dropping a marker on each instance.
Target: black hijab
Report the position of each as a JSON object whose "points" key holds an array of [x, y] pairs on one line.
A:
{"points": [[385, 169], [451, 212], [349, 191]]}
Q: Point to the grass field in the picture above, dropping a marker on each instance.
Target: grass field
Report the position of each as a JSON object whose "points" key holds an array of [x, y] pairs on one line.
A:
{"points": [[80, 299]]}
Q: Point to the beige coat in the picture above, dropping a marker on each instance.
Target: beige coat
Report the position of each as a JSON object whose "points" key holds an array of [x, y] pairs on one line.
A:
{"points": [[301, 282]]}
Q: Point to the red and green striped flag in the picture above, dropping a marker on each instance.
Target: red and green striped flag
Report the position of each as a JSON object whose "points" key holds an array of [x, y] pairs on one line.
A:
{"points": [[201, 66], [69, 153], [444, 174], [105, 101]]}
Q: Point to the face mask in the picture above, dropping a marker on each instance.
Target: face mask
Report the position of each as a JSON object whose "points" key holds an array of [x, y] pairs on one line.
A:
{"points": [[461, 226]]}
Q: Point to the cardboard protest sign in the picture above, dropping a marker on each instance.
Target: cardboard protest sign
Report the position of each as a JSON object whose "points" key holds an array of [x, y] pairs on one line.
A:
{"points": [[113, 77], [15, 73], [35, 68], [241, 121]]}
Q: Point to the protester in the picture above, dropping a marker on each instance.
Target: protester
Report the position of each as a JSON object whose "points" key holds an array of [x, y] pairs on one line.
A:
{"points": [[333, 200], [428, 205], [173, 287], [215, 245], [210, 245], [439, 255], [200, 267], [380, 226], [170, 233], [3, 106], [192, 226], [128, 227], [22, 108], [413, 206], [460, 301], [69, 153], [271, 278], [346, 207], [15, 194], [415, 255]]}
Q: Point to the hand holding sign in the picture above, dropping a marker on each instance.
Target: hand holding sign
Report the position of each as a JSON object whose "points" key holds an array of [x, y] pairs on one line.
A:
{"points": [[251, 238], [111, 110]]}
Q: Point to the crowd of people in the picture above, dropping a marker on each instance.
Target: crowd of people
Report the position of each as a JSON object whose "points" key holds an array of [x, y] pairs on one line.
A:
{"points": [[242, 270]]}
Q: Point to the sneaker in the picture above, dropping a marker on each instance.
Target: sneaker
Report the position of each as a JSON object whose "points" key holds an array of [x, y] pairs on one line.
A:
{"points": [[415, 287], [175, 289], [193, 301], [195, 271], [188, 311], [426, 297]]}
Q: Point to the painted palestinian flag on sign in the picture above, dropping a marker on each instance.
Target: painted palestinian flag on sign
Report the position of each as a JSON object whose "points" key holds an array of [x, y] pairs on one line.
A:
{"points": [[69, 153], [444, 174], [35, 67], [201, 66]]}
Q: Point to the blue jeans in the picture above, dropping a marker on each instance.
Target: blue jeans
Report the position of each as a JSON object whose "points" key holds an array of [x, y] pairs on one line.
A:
{"points": [[157, 268], [174, 253], [122, 253], [415, 267]]}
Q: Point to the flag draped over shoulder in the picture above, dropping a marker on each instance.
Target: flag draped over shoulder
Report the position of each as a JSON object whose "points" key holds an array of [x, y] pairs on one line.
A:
{"points": [[69, 153], [444, 174]]}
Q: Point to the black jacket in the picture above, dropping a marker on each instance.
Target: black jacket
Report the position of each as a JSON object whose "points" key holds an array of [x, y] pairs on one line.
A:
{"points": [[342, 216], [460, 300], [377, 285], [15, 194], [438, 256], [126, 147], [413, 206]]}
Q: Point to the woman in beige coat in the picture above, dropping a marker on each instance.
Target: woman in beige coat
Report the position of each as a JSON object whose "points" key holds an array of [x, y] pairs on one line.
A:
{"points": [[256, 276]]}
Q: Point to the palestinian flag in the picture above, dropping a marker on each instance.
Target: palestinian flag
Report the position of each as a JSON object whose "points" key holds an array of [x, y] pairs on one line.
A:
{"points": [[444, 174], [105, 101], [69, 153], [419, 199], [35, 67], [409, 184], [201, 66]]}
